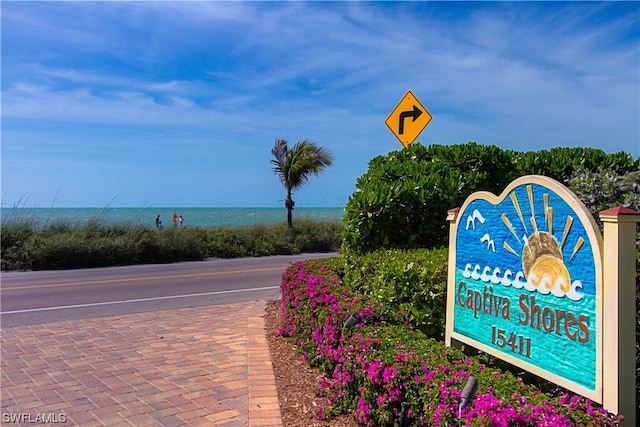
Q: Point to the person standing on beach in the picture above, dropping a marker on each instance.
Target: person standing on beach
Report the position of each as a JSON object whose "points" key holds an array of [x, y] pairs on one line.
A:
{"points": [[181, 220], [158, 222], [175, 220]]}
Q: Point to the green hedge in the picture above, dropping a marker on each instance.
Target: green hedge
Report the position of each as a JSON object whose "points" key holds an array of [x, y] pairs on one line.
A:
{"points": [[402, 200], [408, 285]]}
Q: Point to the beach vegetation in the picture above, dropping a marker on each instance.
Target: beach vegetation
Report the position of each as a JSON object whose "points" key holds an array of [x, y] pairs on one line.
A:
{"points": [[25, 246], [295, 165]]}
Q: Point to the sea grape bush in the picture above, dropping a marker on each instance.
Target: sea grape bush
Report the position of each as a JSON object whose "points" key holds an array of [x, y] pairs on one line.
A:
{"points": [[369, 369], [402, 199]]}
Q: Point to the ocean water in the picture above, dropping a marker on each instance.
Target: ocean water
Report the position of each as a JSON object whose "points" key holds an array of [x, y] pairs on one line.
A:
{"points": [[193, 217]]}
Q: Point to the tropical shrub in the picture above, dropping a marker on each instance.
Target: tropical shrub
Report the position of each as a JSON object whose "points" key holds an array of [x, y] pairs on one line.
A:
{"points": [[402, 199], [408, 285], [371, 368], [604, 188], [561, 163]]}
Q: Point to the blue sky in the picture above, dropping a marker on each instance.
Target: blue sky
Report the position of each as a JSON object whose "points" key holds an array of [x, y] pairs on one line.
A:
{"points": [[171, 103]]}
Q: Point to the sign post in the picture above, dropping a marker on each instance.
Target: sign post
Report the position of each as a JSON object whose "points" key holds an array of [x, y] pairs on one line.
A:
{"points": [[408, 119]]}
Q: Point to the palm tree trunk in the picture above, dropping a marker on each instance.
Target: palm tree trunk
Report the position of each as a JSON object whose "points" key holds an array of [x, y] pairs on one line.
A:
{"points": [[289, 203]]}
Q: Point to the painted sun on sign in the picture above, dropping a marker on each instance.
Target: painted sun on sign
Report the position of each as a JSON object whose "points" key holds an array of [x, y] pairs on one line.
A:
{"points": [[526, 280], [542, 259]]}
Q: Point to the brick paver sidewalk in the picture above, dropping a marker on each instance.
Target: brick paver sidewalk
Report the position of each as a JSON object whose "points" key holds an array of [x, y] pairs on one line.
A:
{"points": [[194, 366]]}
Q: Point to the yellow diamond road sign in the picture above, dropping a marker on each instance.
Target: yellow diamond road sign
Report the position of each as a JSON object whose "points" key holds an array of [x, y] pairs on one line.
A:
{"points": [[408, 119]]}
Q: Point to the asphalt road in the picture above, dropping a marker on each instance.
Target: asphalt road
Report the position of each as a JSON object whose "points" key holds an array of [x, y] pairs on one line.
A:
{"points": [[37, 297]]}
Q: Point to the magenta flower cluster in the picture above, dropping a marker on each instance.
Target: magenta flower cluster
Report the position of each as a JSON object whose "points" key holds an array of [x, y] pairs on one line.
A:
{"points": [[374, 366]]}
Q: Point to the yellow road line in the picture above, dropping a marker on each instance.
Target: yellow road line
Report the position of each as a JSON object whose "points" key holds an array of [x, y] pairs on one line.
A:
{"points": [[139, 279]]}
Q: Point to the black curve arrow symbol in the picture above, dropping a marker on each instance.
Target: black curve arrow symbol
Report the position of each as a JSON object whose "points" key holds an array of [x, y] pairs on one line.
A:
{"points": [[415, 113]]}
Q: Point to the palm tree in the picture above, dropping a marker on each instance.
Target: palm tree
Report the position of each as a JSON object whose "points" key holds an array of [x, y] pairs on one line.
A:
{"points": [[295, 165]]}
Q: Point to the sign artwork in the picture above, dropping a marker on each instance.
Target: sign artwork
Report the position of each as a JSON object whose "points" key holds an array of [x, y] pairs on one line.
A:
{"points": [[528, 281]]}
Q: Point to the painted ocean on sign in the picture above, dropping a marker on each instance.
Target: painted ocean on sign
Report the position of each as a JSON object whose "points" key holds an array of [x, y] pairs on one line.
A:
{"points": [[526, 282]]}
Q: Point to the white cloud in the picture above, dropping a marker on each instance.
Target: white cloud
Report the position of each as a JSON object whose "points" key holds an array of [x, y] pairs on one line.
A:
{"points": [[208, 77]]}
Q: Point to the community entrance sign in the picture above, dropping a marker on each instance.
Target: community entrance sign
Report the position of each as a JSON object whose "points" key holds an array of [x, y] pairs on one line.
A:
{"points": [[526, 284], [408, 119]]}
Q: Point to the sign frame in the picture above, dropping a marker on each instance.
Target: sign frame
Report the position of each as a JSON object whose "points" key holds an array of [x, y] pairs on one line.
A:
{"points": [[526, 195]]}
